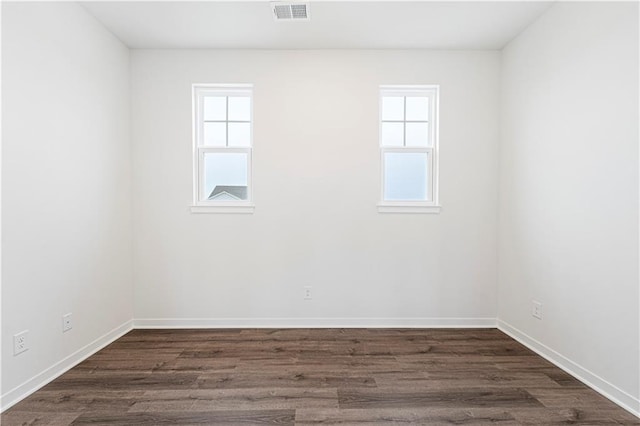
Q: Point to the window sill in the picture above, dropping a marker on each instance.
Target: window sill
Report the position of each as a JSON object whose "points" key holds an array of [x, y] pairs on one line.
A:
{"points": [[235, 209], [408, 208]]}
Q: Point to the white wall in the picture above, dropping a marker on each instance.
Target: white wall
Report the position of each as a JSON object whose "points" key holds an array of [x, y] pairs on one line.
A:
{"points": [[569, 191], [316, 185], [66, 213]]}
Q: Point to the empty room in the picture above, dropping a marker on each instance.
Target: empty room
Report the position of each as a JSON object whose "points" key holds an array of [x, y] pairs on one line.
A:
{"points": [[324, 212]]}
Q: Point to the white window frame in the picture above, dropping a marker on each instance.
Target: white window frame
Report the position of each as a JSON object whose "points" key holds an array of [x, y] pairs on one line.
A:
{"points": [[200, 203], [431, 204]]}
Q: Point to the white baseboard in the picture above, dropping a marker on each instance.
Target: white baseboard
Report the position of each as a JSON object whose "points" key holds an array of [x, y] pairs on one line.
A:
{"points": [[315, 323], [20, 392], [600, 385]]}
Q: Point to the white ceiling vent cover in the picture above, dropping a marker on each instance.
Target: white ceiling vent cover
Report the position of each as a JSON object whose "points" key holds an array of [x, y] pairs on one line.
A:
{"points": [[290, 11]]}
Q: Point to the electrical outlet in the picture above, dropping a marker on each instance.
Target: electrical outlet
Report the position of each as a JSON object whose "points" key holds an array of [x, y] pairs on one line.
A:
{"points": [[307, 293], [67, 323], [20, 342], [536, 309]]}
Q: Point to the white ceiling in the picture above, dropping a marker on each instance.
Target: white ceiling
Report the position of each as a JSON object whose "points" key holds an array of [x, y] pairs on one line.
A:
{"points": [[333, 24]]}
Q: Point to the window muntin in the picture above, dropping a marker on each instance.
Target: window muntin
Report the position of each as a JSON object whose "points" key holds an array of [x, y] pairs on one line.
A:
{"points": [[222, 145], [408, 145]]}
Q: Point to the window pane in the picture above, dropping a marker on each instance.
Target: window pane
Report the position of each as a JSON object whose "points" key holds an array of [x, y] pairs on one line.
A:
{"points": [[225, 176], [392, 134], [405, 176], [417, 108], [215, 108], [215, 134], [417, 134], [239, 134], [393, 108], [240, 108]]}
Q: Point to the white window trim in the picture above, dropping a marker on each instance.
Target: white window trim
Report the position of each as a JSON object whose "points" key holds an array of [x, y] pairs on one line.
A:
{"points": [[204, 206], [431, 205]]}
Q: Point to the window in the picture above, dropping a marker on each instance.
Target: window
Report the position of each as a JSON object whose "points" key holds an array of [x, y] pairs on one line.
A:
{"points": [[223, 140], [409, 149]]}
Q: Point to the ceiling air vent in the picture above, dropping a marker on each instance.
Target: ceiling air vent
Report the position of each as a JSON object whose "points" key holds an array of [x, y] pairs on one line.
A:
{"points": [[288, 11]]}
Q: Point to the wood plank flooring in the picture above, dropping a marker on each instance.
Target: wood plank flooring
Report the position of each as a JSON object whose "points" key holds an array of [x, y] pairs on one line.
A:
{"points": [[318, 376]]}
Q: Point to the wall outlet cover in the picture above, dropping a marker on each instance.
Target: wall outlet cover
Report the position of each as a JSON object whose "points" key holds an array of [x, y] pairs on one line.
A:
{"points": [[536, 309], [20, 342], [67, 322]]}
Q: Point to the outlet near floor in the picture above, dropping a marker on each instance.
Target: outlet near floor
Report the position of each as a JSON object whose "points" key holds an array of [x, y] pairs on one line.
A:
{"points": [[536, 309], [20, 342], [307, 293], [67, 323]]}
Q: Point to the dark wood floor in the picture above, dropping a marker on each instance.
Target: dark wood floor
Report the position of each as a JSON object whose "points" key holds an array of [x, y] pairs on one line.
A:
{"points": [[321, 376]]}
